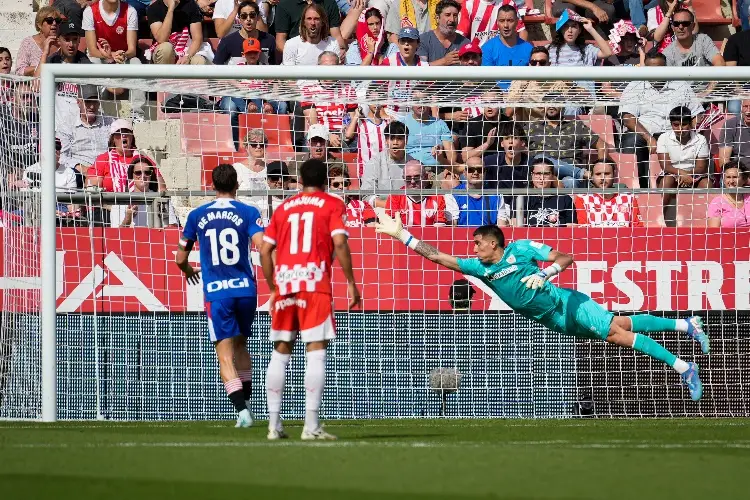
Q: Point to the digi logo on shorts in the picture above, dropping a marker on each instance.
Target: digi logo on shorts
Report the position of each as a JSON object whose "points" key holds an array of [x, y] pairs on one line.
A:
{"points": [[216, 286]]}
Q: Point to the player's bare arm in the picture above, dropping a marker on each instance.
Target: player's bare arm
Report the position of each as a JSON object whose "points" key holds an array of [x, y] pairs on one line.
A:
{"points": [[394, 228], [181, 259], [560, 262], [344, 255], [266, 264]]}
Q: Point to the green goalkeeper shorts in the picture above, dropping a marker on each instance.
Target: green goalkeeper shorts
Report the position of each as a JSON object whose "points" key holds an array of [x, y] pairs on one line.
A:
{"points": [[578, 315]]}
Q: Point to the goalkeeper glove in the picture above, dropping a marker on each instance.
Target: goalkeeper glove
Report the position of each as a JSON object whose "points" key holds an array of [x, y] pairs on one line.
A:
{"points": [[393, 227], [538, 280]]}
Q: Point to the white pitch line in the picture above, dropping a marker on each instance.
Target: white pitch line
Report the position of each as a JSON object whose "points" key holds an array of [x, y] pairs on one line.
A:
{"points": [[614, 444]]}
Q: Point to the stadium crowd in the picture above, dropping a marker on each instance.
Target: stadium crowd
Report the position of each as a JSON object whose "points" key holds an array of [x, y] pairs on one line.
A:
{"points": [[693, 143]]}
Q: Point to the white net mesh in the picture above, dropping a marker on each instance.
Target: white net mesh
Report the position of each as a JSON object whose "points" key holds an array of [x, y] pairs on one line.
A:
{"points": [[132, 336]]}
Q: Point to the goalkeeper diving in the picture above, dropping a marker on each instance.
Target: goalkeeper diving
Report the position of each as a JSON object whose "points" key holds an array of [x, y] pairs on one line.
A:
{"points": [[513, 274]]}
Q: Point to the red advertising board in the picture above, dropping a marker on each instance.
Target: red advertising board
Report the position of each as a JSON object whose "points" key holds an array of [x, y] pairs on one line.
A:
{"points": [[130, 270]]}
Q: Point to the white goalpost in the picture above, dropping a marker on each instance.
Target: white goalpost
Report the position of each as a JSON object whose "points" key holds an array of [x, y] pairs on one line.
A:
{"points": [[557, 372]]}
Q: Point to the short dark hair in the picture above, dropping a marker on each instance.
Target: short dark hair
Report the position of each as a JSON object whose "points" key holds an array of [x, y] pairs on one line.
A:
{"points": [[655, 54], [683, 10], [444, 4], [680, 114], [491, 231], [739, 165], [224, 178], [512, 129], [605, 161], [507, 8], [539, 49], [395, 128], [314, 173], [4, 50], [249, 3], [541, 161]]}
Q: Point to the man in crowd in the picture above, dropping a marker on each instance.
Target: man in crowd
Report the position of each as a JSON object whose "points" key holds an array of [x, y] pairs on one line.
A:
{"points": [[508, 49], [19, 149], [289, 18], [418, 210], [358, 212], [440, 46], [319, 148], [607, 210], [735, 137], [690, 49], [509, 168], [477, 209], [479, 20], [385, 170], [429, 141]]}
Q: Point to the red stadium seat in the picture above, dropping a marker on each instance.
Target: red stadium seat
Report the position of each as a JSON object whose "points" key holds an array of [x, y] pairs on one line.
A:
{"points": [[211, 161], [278, 129], [538, 19], [651, 209], [627, 169], [601, 125], [692, 210], [204, 132], [708, 12]]}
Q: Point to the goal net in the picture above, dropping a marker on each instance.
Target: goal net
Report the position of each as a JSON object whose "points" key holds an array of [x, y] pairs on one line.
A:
{"points": [[634, 178]]}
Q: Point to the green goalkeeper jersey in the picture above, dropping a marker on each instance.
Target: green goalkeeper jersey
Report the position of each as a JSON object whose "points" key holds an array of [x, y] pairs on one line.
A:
{"points": [[504, 278]]}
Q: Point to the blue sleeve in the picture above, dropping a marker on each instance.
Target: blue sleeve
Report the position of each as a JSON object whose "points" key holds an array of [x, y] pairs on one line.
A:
{"points": [[533, 249], [444, 131], [189, 231], [488, 54], [254, 223], [472, 267]]}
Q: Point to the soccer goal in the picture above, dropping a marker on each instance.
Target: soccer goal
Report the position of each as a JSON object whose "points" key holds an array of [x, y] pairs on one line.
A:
{"points": [[97, 322]]}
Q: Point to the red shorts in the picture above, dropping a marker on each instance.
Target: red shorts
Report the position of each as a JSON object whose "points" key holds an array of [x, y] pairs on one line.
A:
{"points": [[309, 314]]}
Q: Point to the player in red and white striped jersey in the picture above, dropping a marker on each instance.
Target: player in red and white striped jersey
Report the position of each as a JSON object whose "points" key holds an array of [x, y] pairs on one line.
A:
{"points": [[610, 210], [304, 233], [369, 133], [358, 213], [478, 19], [415, 210]]}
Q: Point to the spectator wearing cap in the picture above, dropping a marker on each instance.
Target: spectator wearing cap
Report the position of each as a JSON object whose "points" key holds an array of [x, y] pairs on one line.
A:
{"points": [[385, 170], [460, 295], [252, 54], [417, 210], [87, 135], [475, 210], [110, 169], [430, 140], [314, 38], [73, 10], [277, 177], [319, 148], [290, 22], [507, 49], [358, 213], [47, 23], [331, 103], [411, 13], [232, 47], [177, 28], [440, 45], [111, 28], [628, 49], [470, 54]]}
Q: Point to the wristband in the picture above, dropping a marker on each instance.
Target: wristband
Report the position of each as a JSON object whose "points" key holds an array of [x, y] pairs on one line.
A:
{"points": [[407, 239], [552, 270]]}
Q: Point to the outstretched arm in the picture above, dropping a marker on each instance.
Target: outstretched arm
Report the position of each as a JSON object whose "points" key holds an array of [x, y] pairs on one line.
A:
{"points": [[394, 228], [562, 259], [560, 262]]}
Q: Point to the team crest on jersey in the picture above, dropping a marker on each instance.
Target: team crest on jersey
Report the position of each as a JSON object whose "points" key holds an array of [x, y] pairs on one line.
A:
{"points": [[511, 259], [120, 30]]}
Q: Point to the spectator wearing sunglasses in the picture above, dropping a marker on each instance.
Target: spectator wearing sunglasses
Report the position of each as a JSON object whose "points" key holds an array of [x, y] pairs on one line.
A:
{"points": [[659, 22], [143, 178], [251, 173], [72, 10], [48, 21], [358, 213], [277, 177], [689, 49], [475, 210], [231, 48]]}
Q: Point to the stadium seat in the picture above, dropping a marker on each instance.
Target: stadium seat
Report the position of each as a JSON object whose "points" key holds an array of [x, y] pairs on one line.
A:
{"points": [[692, 210], [627, 169], [278, 130], [650, 206], [211, 161], [538, 19], [709, 12], [205, 132], [601, 125]]}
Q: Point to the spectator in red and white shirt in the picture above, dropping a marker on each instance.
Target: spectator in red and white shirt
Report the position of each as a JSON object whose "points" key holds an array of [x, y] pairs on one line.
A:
{"points": [[110, 169], [111, 28], [607, 210], [478, 20], [358, 213], [369, 132], [331, 103], [418, 210]]}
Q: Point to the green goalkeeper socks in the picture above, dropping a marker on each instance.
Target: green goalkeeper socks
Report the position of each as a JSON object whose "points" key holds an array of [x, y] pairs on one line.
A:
{"points": [[648, 323], [649, 346]]}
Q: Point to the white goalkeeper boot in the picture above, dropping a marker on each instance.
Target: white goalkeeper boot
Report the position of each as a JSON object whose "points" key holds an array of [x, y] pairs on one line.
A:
{"points": [[318, 434], [244, 419]]}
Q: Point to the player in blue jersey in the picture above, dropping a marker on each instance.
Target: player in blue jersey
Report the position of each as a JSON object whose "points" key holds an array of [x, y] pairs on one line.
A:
{"points": [[513, 274], [224, 229]]}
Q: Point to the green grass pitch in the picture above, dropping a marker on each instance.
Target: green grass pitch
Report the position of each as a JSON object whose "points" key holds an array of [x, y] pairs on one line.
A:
{"points": [[379, 459]]}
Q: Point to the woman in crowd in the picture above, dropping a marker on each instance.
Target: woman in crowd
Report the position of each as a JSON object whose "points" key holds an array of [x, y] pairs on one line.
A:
{"points": [[372, 43], [732, 208], [142, 176], [6, 85], [251, 173], [552, 210], [48, 21]]}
